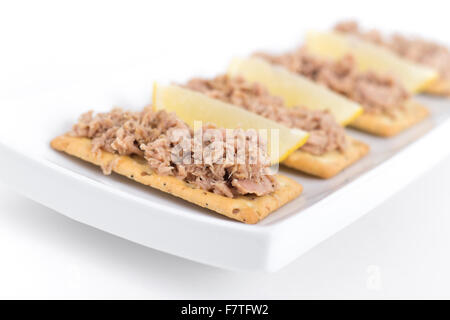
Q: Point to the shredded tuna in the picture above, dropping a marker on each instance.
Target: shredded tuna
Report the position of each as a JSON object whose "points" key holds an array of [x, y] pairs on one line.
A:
{"points": [[109, 167], [161, 138], [376, 93], [325, 133], [413, 48]]}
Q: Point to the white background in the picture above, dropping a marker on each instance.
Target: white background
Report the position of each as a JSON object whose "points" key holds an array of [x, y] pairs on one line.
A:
{"points": [[399, 250]]}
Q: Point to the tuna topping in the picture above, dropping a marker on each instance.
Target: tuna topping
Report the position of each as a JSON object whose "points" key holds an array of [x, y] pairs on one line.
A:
{"points": [[376, 93], [325, 133], [162, 139], [415, 49]]}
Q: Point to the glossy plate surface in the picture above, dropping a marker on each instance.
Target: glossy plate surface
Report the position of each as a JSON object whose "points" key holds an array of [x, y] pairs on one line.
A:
{"points": [[119, 206]]}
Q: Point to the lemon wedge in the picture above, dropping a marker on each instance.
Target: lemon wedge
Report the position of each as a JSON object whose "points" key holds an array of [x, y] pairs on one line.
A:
{"points": [[191, 106], [334, 45], [296, 90]]}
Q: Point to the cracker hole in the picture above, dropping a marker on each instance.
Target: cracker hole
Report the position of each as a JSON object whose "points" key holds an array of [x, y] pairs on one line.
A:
{"points": [[236, 210]]}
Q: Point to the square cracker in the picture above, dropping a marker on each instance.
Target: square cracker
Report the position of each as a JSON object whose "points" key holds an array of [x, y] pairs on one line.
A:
{"points": [[439, 87], [385, 126], [248, 209], [329, 164]]}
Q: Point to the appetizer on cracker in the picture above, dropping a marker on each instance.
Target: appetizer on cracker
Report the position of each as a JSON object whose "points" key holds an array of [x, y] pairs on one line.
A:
{"points": [[327, 151], [151, 147], [417, 50], [387, 106], [335, 45]]}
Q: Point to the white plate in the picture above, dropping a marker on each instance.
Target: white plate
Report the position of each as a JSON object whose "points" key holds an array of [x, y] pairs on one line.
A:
{"points": [[157, 220]]}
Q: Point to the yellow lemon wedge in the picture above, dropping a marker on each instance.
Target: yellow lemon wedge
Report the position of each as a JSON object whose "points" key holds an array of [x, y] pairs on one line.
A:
{"points": [[191, 106], [296, 90], [369, 56]]}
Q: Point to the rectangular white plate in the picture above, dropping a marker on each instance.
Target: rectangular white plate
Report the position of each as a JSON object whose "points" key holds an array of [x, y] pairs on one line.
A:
{"points": [[119, 206]]}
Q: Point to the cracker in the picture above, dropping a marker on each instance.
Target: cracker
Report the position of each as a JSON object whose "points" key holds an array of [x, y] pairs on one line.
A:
{"points": [[385, 126], [440, 87], [329, 164], [248, 209]]}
